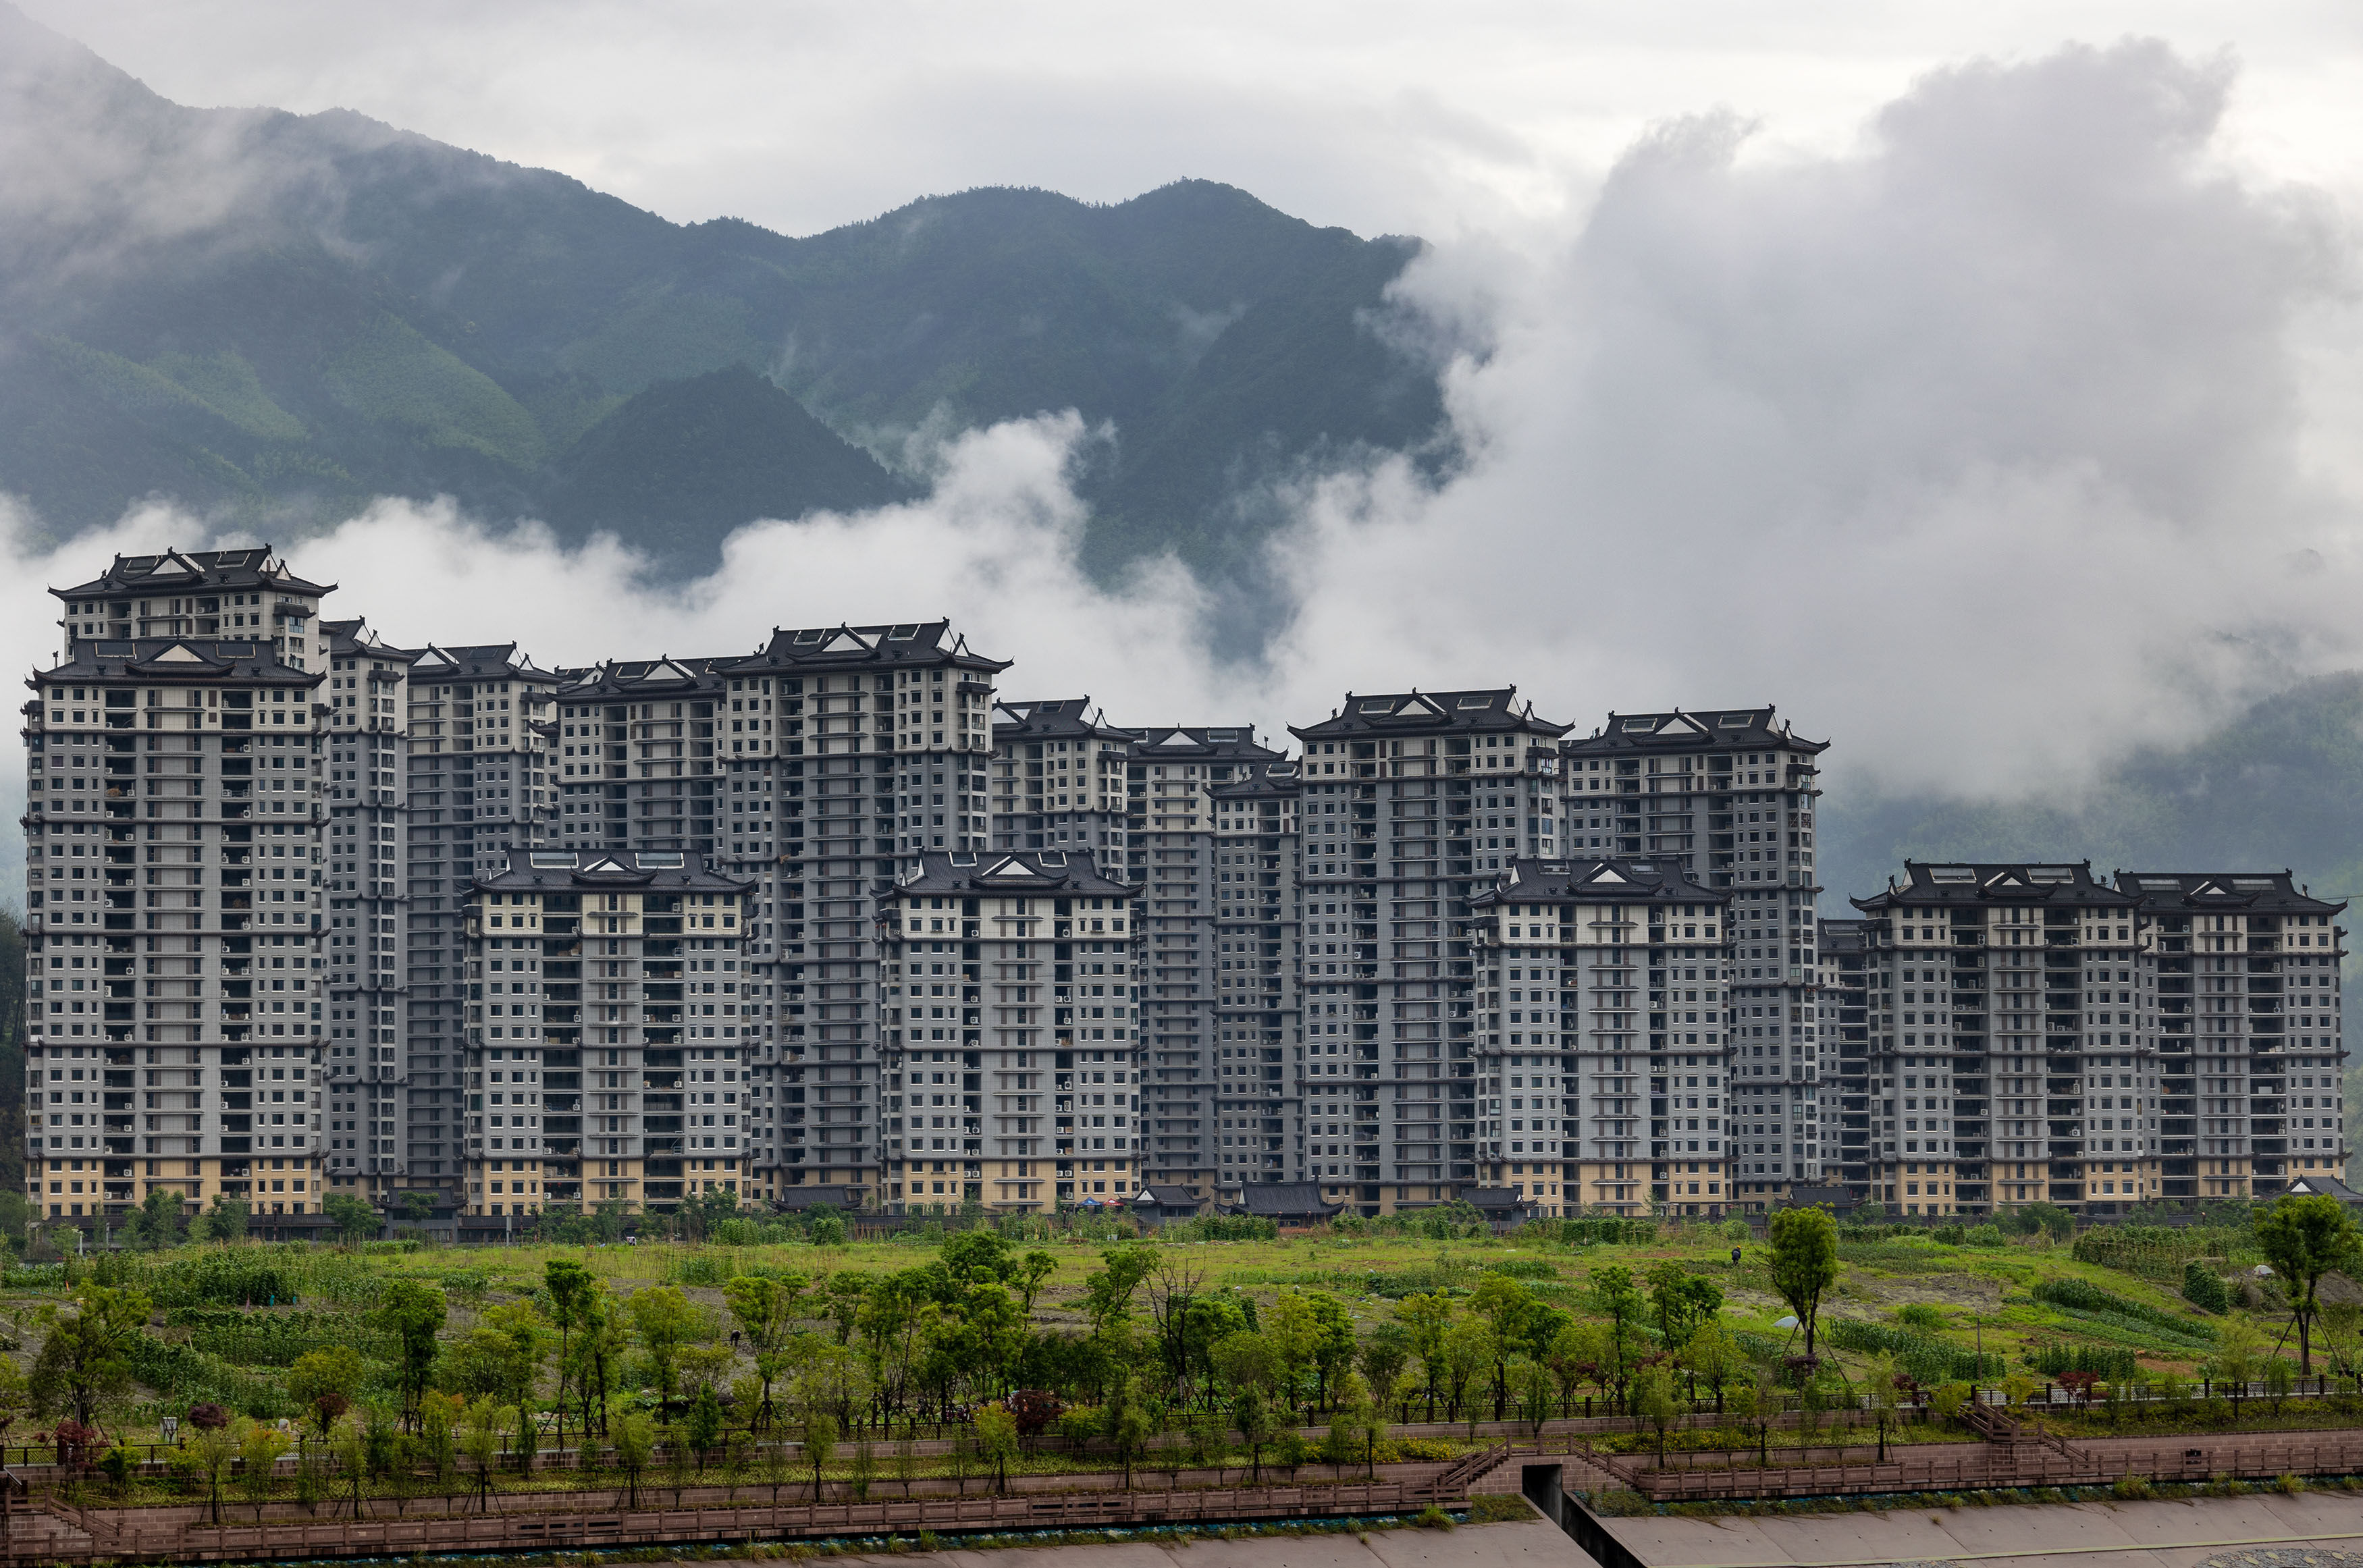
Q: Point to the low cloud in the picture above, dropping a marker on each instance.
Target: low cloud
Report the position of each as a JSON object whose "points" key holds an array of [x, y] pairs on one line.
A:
{"points": [[1989, 450]]}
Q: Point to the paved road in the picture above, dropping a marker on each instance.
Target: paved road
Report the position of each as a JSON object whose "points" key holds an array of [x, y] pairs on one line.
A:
{"points": [[2323, 1529]]}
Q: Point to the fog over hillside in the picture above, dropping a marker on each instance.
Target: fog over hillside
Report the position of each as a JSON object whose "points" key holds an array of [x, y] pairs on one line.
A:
{"points": [[1991, 447]]}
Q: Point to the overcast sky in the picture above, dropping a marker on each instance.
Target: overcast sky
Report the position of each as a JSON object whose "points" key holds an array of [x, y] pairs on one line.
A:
{"points": [[1976, 382], [1381, 116]]}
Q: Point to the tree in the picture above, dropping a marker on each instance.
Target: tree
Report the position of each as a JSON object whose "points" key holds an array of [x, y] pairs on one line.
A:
{"points": [[159, 1217], [2237, 1350], [349, 1448], [1681, 1301], [2303, 1239], [665, 1320], [1764, 1404], [355, 1220], [1107, 1294], [705, 1424], [85, 1360], [414, 1313], [820, 1444], [1037, 1267], [779, 1469], [762, 1308], [260, 1447], [1425, 1319], [225, 1221], [1252, 1416], [636, 1438], [968, 1253], [1879, 1387], [1506, 1306], [1383, 1355], [1130, 1426], [997, 1441], [1710, 1356], [570, 1285], [1532, 1381], [1621, 1299], [479, 1440], [1804, 1262], [211, 1451], [1468, 1350], [323, 1382], [678, 1469], [1653, 1401]]}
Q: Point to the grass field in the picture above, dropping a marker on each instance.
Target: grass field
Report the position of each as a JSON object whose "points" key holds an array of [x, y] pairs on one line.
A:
{"points": [[1965, 1301]]}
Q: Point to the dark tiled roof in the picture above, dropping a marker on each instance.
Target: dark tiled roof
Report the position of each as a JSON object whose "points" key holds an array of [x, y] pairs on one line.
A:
{"points": [[592, 868], [1048, 871], [1199, 742], [1260, 781], [2323, 1187], [175, 658], [1618, 880], [480, 662], [1053, 718], [1493, 1199], [792, 1199], [355, 638], [2245, 892], [644, 676], [1844, 935], [187, 570], [1164, 1196], [831, 647], [1710, 729], [2059, 884], [1285, 1199], [1430, 712]]}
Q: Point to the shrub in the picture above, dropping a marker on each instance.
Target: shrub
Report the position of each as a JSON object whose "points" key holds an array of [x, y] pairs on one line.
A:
{"points": [[1926, 1358], [2081, 1296], [1920, 1315], [2204, 1287], [1222, 1228], [2132, 1488], [1986, 1235], [2116, 1365]]}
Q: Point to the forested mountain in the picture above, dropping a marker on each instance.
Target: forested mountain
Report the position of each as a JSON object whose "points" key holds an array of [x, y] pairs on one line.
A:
{"points": [[2281, 786], [275, 318]]}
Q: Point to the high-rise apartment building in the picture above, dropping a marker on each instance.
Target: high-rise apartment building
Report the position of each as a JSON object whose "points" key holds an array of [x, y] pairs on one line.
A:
{"points": [[1233, 1114], [2035, 1034], [2239, 971], [1058, 780], [1733, 793], [1845, 1018], [174, 900], [1406, 801], [822, 767], [477, 779], [367, 886], [1173, 773], [1012, 1074], [607, 1041], [1603, 1065]]}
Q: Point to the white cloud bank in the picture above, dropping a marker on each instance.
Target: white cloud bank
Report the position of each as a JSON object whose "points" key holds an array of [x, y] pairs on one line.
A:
{"points": [[1989, 450]]}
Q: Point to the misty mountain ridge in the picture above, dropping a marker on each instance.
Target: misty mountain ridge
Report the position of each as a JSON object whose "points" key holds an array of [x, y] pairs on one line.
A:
{"points": [[273, 318]]}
